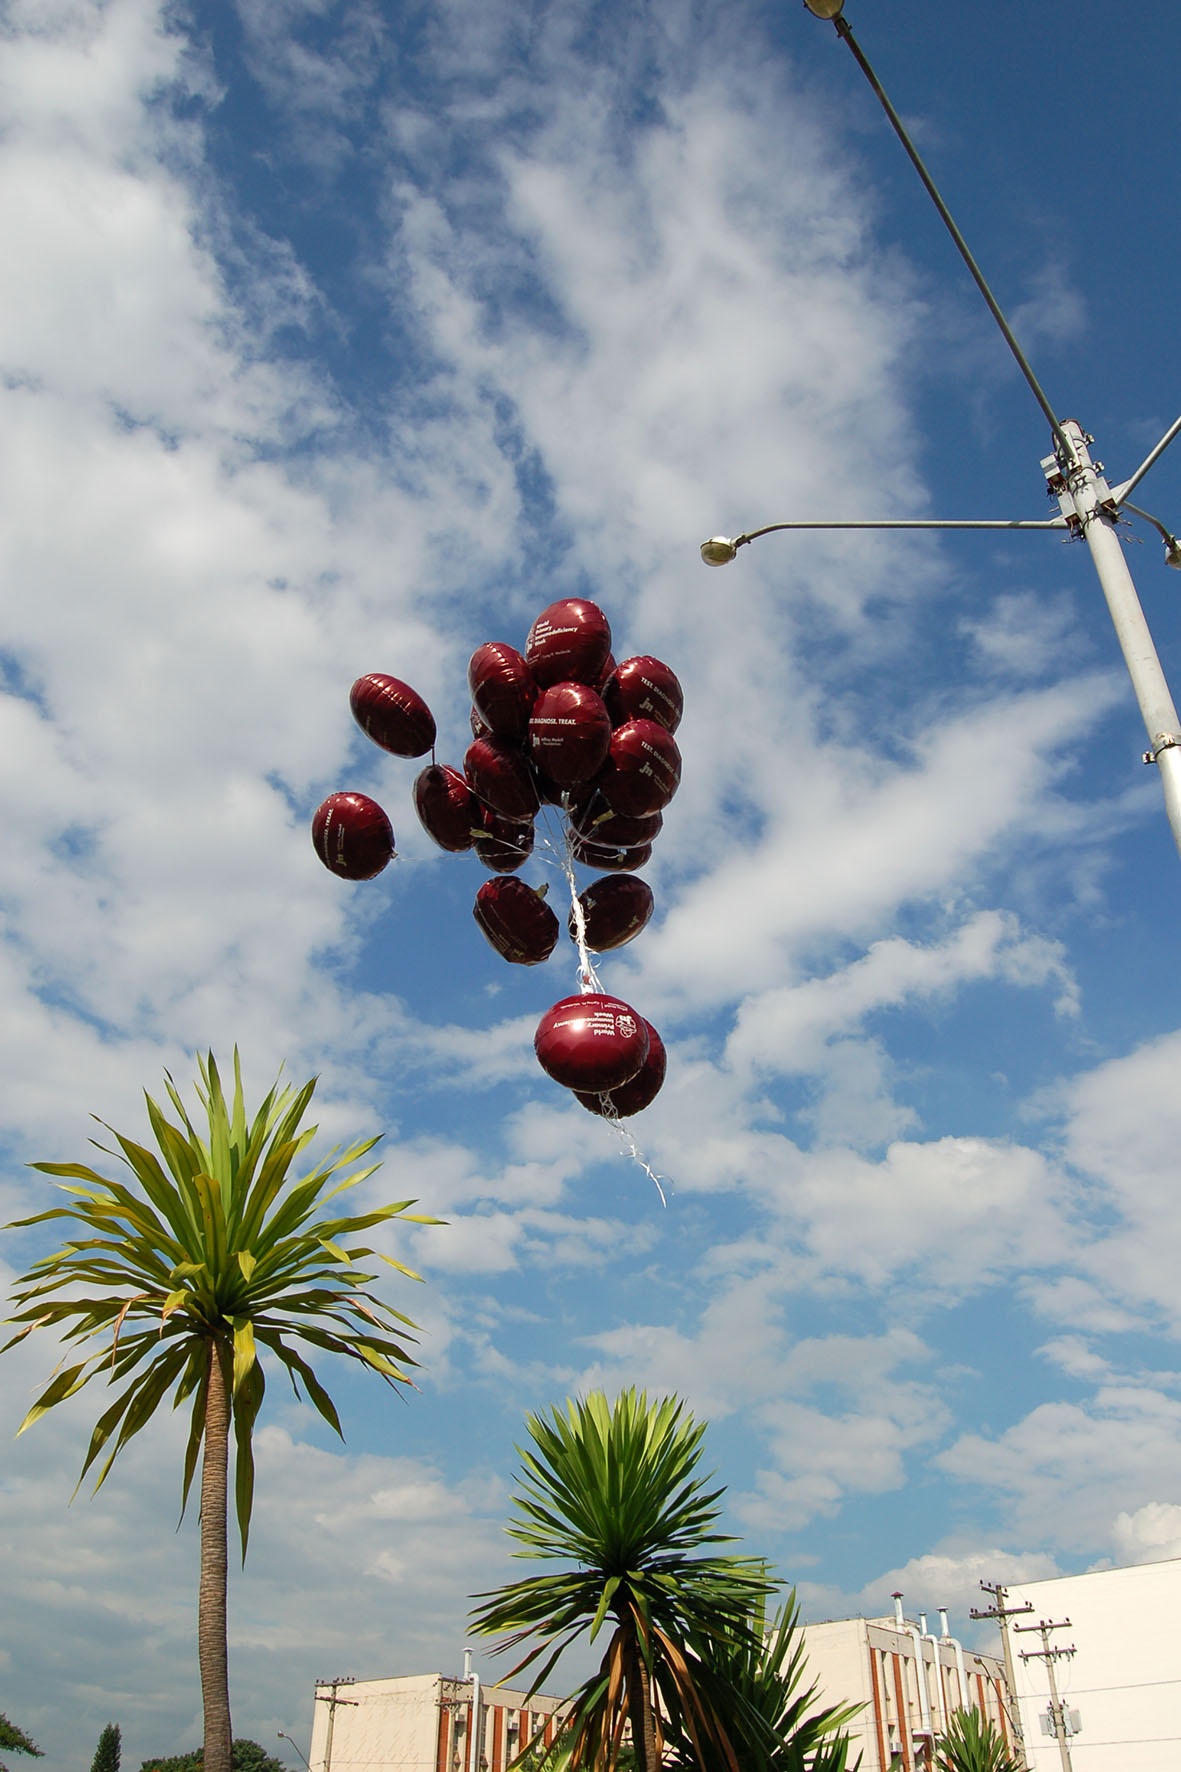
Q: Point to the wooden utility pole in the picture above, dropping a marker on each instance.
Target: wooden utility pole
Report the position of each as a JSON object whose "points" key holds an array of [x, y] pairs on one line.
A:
{"points": [[1002, 1613], [1050, 1655]]}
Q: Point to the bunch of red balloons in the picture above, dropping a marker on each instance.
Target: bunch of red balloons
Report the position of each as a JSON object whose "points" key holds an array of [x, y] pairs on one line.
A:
{"points": [[560, 726]]}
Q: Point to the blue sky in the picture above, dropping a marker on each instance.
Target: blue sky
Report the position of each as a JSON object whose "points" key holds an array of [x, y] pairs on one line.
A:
{"points": [[344, 337]]}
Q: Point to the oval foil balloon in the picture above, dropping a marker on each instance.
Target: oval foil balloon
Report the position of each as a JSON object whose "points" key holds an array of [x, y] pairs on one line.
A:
{"points": [[446, 807], [615, 910], [480, 727], [644, 768], [503, 688], [499, 775], [645, 689], [502, 844], [352, 836], [569, 733], [592, 1042], [516, 920], [615, 861], [639, 1092], [392, 714], [597, 823], [569, 642]]}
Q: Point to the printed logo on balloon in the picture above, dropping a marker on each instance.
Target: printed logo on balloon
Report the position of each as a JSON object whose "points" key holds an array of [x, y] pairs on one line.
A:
{"points": [[563, 731]]}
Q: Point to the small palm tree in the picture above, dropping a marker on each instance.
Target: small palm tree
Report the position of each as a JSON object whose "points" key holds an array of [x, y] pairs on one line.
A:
{"points": [[612, 1491], [210, 1254], [973, 1743], [773, 1717]]}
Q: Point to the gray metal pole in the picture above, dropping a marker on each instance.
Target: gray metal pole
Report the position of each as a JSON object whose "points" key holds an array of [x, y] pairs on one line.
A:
{"points": [[1096, 514]]}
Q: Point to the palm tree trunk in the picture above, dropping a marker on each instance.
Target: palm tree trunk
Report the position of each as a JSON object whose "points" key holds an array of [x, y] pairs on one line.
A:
{"points": [[212, 1652], [643, 1717]]}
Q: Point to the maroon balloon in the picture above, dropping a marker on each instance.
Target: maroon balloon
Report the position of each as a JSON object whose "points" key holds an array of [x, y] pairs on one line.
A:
{"points": [[447, 809], [516, 920], [569, 642], [644, 689], [480, 727], [593, 1042], [500, 776], [614, 910], [352, 836], [503, 844], [392, 714], [605, 673], [644, 768], [569, 733], [616, 861], [639, 1092], [597, 823], [503, 688]]}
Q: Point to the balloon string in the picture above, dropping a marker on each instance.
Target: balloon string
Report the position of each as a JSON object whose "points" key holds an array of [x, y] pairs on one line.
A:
{"points": [[631, 1148], [588, 979]]}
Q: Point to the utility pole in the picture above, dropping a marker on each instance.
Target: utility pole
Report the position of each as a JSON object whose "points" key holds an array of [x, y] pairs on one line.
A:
{"points": [[1002, 1613], [331, 1700], [1050, 1656]]}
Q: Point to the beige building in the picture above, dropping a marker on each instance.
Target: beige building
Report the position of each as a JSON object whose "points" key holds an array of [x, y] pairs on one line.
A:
{"points": [[1122, 1685], [423, 1723], [909, 1680]]}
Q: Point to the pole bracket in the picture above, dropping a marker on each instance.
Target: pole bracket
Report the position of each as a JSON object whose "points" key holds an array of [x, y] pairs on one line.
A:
{"points": [[1165, 741]]}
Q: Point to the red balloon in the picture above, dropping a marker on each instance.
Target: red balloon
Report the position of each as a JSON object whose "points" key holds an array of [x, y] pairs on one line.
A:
{"points": [[503, 844], [500, 776], [503, 689], [569, 733], [352, 836], [569, 642], [480, 727], [605, 673], [644, 768], [617, 861], [392, 714], [615, 910], [447, 809], [596, 822], [639, 1092], [644, 689], [516, 920], [593, 1042]]}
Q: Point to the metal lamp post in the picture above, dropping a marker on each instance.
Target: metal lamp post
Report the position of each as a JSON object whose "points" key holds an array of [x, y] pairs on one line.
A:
{"points": [[1089, 509]]}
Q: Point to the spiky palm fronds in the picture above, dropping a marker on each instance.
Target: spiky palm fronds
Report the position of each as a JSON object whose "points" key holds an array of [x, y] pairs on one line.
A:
{"points": [[613, 1491]]}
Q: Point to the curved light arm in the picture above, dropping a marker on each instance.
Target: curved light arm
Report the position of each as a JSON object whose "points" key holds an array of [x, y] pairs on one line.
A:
{"points": [[719, 550], [1172, 545]]}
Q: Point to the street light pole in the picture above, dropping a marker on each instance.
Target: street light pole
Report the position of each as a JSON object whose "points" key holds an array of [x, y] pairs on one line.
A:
{"points": [[1090, 509]]}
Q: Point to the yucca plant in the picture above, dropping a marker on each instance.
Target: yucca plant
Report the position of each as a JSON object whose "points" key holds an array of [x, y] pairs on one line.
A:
{"points": [[207, 1252], [759, 1679], [613, 1492], [973, 1743]]}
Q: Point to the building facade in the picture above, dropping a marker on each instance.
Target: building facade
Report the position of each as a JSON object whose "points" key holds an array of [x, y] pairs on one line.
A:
{"points": [[1121, 1688], [908, 1681], [423, 1723]]}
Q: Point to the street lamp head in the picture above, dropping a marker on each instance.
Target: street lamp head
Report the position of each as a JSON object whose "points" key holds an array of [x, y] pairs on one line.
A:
{"points": [[1173, 552], [719, 550], [825, 8]]}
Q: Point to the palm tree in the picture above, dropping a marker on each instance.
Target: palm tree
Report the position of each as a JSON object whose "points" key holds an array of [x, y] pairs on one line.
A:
{"points": [[612, 1491], [211, 1253], [973, 1743], [773, 1718]]}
